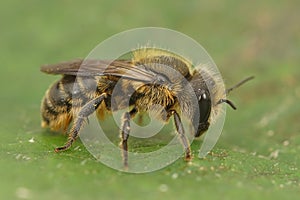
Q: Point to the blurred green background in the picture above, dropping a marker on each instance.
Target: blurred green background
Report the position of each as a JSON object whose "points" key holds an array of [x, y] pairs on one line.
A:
{"points": [[257, 156]]}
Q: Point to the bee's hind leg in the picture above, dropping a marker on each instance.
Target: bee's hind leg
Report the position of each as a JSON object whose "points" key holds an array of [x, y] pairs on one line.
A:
{"points": [[80, 120]]}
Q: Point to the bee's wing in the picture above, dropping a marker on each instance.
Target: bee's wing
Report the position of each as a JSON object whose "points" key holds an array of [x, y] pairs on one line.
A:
{"points": [[69, 68], [119, 68]]}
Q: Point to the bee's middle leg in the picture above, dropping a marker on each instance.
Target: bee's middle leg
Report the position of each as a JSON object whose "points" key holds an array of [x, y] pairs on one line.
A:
{"points": [[80, 120], [184, 140], [125, 131]]}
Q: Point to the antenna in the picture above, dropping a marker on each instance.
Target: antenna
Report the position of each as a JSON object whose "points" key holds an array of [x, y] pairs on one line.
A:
{"points": [[239, 84], [228, 102], [232, 88]]}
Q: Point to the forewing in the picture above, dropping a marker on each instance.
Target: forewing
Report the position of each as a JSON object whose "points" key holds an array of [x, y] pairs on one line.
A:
{"points": [[119, 68], [68, 68]]}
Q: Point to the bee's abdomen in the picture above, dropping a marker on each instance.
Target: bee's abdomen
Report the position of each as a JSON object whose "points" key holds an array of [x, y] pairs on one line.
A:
{"points": [[63, 99]]}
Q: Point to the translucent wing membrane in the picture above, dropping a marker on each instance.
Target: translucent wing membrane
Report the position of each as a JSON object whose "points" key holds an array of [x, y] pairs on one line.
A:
{"points": [[119, 68]]}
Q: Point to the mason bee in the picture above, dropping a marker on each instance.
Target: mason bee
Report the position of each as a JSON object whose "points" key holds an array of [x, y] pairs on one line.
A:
{"points": [[87, 86]]}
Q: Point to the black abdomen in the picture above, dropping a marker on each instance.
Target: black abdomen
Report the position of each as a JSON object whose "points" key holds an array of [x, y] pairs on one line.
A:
{"points": [[64, 98]]}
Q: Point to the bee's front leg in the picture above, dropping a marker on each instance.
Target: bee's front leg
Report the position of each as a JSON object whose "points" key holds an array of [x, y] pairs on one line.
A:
{"points": [[180, 131], [80, 120]]}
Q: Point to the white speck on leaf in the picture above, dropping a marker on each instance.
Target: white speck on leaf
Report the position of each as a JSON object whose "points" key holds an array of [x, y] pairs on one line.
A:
{"points": [[77, 148], [286, 143], [174, 176], [59, 165], [18, 156], [163, 188], [23, 157], [274, 154], [270, 133], [31, 140], [83, 162], [23, 193]]}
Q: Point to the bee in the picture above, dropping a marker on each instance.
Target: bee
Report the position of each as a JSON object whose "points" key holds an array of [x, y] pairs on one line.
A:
{"points": [[87, 86]]}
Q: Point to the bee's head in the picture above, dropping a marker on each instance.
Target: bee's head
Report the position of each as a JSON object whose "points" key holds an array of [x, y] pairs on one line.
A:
{"points": [[210, 93], [201, 119]]}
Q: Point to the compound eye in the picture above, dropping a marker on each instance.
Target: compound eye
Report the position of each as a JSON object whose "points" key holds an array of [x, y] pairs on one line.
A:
{"points": [[204, 107]]}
